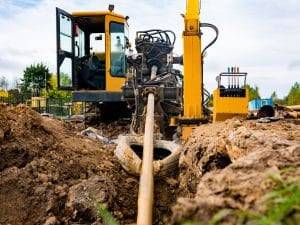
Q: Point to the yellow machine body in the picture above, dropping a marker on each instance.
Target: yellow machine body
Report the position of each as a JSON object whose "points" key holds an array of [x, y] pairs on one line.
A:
{"points": [[193, 77], [228, 107], [4, 94]]}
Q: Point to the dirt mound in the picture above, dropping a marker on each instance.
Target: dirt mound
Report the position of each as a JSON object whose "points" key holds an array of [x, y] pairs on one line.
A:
{"points": [[228, 166], [22, 136], [50, 174]]}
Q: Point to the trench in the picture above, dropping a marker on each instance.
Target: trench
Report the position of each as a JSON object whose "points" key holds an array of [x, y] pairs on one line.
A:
{"points": [[158, 153]]}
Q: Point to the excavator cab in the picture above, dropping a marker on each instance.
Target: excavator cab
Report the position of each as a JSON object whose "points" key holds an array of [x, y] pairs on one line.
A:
{"points": [[91, 54]]}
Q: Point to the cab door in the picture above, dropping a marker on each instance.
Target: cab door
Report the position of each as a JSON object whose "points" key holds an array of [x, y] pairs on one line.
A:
{"points": [[65, 50], [115, 53]]}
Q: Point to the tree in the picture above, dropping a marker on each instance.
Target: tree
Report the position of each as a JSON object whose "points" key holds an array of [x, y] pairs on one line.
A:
{"points": [[16, 84], [65, 80], [35, 78], [293, 97], [3, 83], [253, 92], [274, 96], [14, 94], [277, 100], [53, 92]]}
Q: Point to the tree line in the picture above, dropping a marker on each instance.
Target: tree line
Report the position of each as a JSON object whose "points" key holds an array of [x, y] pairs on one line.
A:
{"points": [[36, 81], [292, 98]]}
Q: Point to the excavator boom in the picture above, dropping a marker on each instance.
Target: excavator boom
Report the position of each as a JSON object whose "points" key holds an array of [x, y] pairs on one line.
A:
{"points": [[192, 61]]}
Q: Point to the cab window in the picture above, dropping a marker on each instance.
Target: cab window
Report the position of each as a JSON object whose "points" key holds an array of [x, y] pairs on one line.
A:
{"points": [[117, 48], [97, 42], [65, 33]]}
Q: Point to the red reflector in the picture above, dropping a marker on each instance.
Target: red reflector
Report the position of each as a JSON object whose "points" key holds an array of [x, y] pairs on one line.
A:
{"points": [[76, 30]]}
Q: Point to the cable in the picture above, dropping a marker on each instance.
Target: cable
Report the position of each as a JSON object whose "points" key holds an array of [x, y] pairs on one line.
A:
{"points": [[209, 25], [156, 37], [207, 95]]}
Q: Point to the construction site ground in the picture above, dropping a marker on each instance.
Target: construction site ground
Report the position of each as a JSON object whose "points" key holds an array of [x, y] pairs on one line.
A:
{"points": [[51, 174]]}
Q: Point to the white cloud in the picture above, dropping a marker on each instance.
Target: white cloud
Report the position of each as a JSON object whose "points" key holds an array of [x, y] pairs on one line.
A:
{"points": [[260, 36]]}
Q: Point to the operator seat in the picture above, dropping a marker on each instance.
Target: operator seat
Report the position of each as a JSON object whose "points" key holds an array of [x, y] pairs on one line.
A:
{"points": [[96, 62], [93, 74], [97, 73]]}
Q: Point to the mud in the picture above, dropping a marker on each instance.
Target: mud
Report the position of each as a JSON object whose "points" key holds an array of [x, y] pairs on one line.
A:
{"points": [[50, 174], [228, 166]]}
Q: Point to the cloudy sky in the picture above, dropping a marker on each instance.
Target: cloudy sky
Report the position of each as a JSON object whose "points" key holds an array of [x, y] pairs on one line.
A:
{"points": [[260, 36]]}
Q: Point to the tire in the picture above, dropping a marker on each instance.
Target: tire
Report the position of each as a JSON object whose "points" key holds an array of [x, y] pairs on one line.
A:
{"points": [[132, 163]]}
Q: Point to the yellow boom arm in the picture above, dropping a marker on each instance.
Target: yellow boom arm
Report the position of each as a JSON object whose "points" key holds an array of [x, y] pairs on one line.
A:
{"points": [[192, 61], [192, 16]]}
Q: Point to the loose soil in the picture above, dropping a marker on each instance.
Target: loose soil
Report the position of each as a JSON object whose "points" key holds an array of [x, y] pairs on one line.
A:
{"points": [[50, 174], [228, 166]]}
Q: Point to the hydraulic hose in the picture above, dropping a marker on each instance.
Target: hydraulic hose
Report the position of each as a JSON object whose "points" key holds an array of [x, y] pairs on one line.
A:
{"points": [[209, 25]]}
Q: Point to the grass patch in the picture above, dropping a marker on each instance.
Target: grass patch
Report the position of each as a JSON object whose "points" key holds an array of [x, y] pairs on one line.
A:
{"points": [[105, 215]]}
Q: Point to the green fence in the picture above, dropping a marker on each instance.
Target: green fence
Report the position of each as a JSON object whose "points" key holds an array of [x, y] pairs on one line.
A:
{"points": [[16, 99], [58, 107]]}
